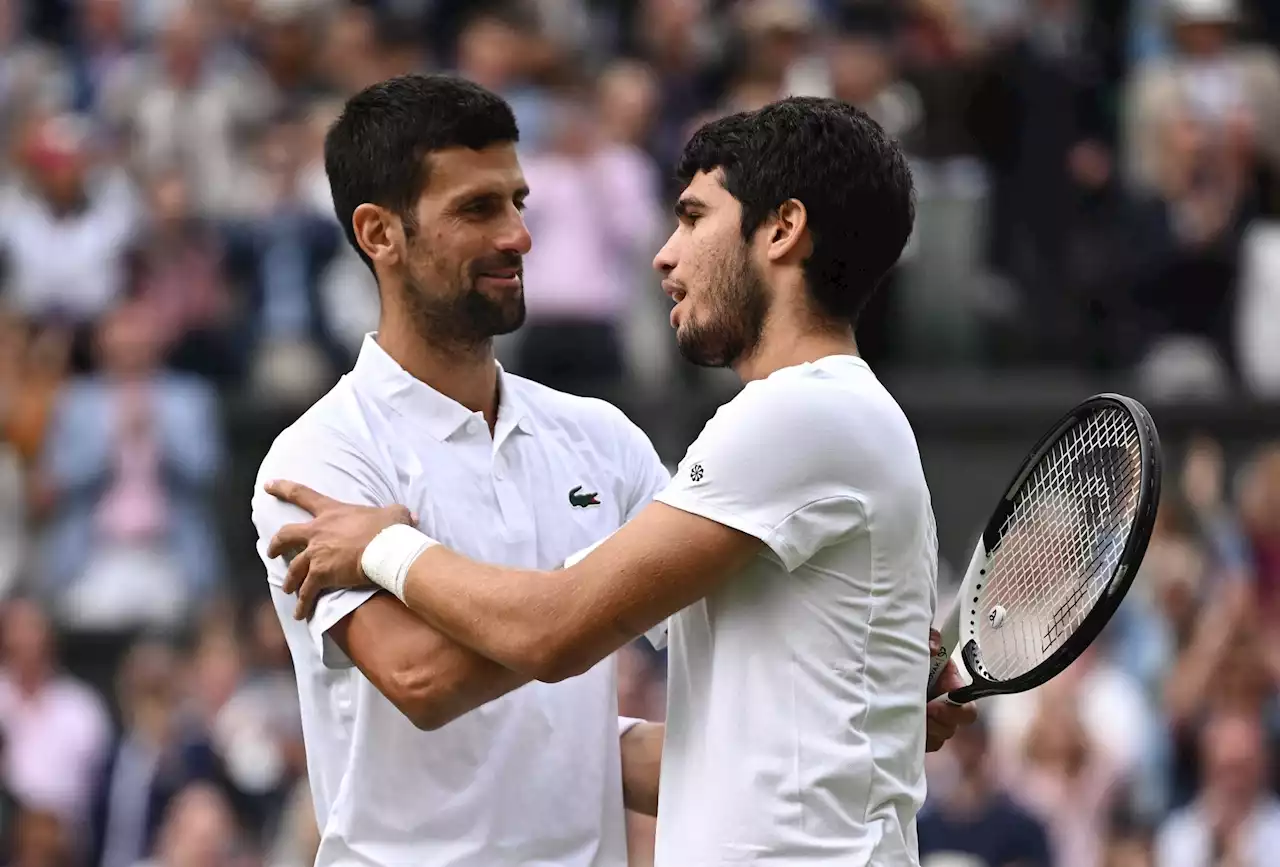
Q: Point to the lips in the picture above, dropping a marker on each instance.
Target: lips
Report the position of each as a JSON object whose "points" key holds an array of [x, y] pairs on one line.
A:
{"points": [[674, 291]]}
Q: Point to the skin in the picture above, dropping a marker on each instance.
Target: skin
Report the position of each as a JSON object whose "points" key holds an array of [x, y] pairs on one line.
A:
{"points": [[741, 304]]}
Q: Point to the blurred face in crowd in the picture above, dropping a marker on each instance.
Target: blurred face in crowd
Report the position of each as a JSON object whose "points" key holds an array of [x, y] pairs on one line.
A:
{"points": [[40, 840], [1202, 39], [183, 45], [460, 260], [1260, 497], [1234, 756], [627, 101], [57, 155], [198, 830], [720, 293], [350, 46], [169, 199], [148, 690], [216, 671], [860, 69], [103, 21], [128, 344], [28, 641], [492, 53], [268, 637]]}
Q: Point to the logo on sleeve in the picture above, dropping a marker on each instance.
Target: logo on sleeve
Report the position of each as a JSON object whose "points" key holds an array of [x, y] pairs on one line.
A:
{"points": [[582, 501], [695, 472]]}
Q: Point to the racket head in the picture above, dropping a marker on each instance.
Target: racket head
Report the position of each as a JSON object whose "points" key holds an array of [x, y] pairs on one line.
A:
{"points": [[1142, 456]]}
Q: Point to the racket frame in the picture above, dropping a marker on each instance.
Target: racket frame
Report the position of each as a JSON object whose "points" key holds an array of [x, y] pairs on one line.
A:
{"points": [[961, 626]]}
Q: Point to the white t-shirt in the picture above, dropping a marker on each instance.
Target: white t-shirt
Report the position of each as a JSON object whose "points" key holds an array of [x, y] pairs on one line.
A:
{"points": [[795, 718], [533, 778]]}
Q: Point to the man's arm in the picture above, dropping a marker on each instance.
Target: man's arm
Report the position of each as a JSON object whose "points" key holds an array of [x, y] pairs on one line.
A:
{"points": [[546, 625], [642, 766], [431, 679], [556, 625]]}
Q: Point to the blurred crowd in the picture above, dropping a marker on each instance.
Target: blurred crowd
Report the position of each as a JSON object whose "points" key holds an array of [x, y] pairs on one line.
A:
{"points": [[1099, 191]]}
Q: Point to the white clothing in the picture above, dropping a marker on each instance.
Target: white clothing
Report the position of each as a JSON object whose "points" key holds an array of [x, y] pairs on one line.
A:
{"points": [[533, 778], [795, 718]]}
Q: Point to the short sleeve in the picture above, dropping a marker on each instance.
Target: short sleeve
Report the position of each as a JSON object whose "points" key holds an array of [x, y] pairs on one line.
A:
{"points": [[328, 463], [774, 463], [648, 476]]}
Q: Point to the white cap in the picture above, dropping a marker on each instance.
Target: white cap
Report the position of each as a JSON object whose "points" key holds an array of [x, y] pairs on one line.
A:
{"points": [[1204, 11]]}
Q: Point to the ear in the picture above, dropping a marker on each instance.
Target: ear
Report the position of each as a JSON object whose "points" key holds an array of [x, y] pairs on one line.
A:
{"points": [[788, 231], [379, 233]]}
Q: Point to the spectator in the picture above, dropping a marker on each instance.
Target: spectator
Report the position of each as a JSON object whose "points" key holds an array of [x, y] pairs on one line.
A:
{"points": [[593, 214], [155, 756], [129, 539], [199, 831], [1260, 513], [65, 231], [1234, 819], [192, 110], [55, 728], [975, 816], [179, 278], [1066, 781]]}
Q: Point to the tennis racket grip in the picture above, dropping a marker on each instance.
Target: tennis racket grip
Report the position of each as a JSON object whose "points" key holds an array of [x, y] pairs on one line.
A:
{"points": [[950, 632]]}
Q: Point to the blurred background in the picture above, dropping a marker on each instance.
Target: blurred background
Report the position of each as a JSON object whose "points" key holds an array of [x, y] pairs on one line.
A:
{"points": [[1099, 208]]}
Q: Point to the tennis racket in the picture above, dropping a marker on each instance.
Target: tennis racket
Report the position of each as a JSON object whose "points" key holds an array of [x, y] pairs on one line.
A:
{"points": [[1059, 552]]}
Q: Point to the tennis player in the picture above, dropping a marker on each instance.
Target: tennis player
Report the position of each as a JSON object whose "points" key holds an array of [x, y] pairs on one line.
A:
{"points": [[795, 546]]}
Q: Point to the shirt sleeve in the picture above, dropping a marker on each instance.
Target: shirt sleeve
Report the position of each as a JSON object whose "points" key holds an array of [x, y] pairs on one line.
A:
{"points": [[648, 475], [330, 465], [777, 463]]}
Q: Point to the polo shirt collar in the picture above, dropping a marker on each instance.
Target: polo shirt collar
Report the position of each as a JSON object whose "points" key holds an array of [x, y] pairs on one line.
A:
{"points": [[381, 376]]}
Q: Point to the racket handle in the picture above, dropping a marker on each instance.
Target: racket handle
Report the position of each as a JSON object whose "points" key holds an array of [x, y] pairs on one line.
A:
{"points": [[949, 637]]}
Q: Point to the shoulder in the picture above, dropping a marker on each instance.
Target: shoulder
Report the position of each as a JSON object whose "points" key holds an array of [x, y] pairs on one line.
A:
{"points": [[329, 443], [838, 401]]}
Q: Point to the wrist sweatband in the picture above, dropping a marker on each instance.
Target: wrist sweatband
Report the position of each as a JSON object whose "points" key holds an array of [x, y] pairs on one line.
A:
{"points": [[386, 560], [626, 724]]}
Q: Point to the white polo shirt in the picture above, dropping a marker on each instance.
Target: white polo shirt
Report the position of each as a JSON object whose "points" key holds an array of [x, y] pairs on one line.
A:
{"points": [[795, 716], [533, 778]]}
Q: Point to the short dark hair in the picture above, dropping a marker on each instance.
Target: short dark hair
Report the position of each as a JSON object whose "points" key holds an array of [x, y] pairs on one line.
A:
{"points": [[376, 150], [850, 175]]}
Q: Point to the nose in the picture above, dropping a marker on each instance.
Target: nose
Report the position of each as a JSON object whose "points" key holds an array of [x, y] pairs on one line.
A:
{"points": [[515, 237], [665, 260]]}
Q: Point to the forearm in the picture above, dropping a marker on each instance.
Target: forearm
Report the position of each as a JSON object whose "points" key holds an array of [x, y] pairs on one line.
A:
{"points": [[642, 767], [432, 679], [464, 680], [531, 622]]}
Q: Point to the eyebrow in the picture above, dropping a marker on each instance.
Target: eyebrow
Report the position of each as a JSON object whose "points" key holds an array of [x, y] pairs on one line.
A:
{"points": [[471, 196], [687, 204]]}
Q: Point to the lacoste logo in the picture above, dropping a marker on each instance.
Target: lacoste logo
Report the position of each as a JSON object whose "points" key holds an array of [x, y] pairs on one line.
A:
{"points": [[582, 501]]}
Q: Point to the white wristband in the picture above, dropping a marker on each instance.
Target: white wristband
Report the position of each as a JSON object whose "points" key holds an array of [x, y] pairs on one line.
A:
{"points": [[386, 560]]}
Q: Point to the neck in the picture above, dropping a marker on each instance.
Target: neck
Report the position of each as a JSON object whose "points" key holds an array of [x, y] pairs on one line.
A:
{"points": [[30, 680], [468, 375], [785, 345]]}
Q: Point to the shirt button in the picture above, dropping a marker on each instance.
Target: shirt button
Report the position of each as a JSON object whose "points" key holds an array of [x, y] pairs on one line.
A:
{"points": [[499, 472]]}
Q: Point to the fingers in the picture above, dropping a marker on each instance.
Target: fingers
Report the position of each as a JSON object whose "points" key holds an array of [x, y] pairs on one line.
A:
{"points": [[297, 573], [308, 593], [300, 495], [288, 540]]}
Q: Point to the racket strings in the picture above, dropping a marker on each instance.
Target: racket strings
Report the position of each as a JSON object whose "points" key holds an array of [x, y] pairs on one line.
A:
{"points": [[1060, 545]]}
